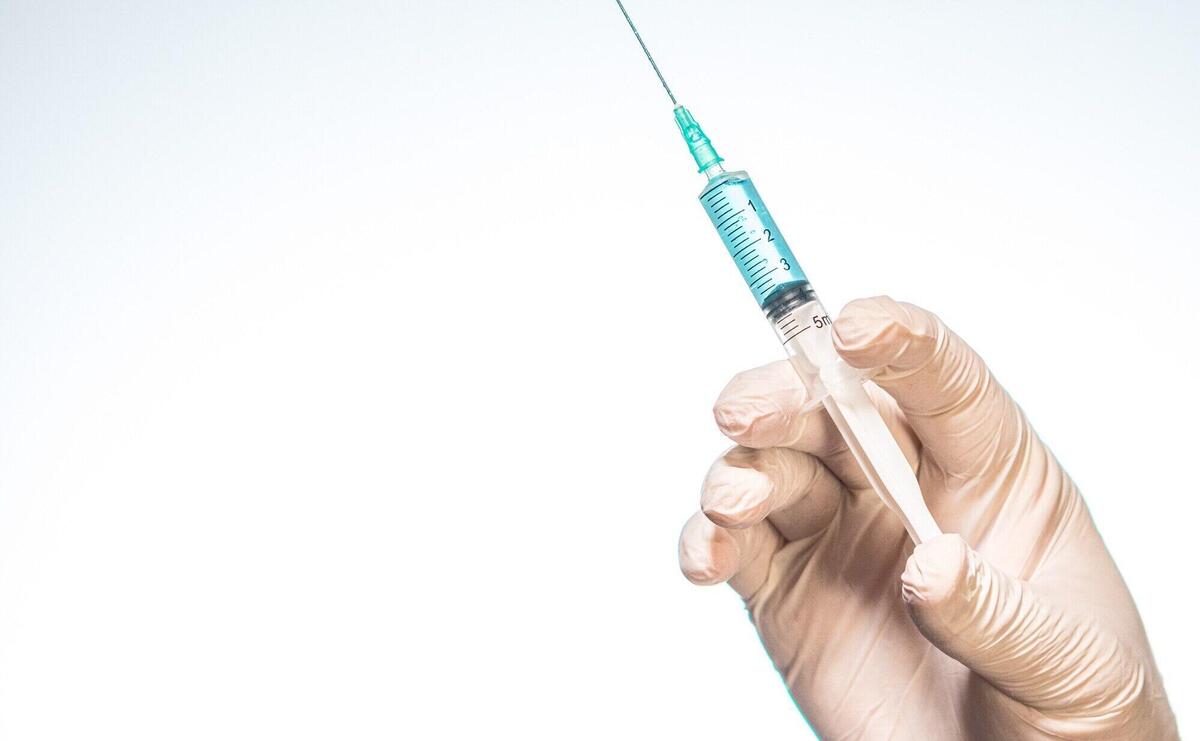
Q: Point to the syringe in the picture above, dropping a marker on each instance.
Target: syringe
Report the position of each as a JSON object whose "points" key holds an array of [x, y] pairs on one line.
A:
{"points": [[800, 321]]}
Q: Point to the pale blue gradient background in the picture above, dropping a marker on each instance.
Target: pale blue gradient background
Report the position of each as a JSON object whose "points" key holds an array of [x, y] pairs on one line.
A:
{"points": [[332, 406]]}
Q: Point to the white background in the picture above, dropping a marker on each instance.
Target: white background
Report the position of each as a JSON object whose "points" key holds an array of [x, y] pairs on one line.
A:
{"points": [[356, 359]]}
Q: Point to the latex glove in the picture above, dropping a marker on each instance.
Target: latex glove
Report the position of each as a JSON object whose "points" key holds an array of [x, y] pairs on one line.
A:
{"points": [[1016, 627]]}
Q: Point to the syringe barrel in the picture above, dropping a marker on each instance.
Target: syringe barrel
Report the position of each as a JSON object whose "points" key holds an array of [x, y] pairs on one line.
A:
{"points": [[804, 329], [750, 234], [774, 276]]}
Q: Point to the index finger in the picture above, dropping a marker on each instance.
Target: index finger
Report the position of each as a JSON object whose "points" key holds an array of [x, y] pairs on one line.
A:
{"points": [[766, 407]]}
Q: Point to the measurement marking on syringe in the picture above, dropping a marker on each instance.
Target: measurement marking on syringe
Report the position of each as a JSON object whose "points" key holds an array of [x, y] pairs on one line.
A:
{"points": [[734, 235], [756, 271], [731, 218], [763, 291], [711, 191], [763, 277], [722, 213], [747, 247], [802, 331]]}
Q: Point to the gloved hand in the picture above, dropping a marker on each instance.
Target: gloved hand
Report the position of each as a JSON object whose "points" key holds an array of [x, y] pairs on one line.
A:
{"points": [[1014, 625]]}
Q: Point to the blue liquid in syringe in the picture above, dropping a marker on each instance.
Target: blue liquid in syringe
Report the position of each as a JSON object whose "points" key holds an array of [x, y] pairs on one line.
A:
{"points": [[750, 234]]}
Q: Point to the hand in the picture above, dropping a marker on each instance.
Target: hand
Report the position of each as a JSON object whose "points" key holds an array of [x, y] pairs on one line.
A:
{"points": [[1017, 626]]}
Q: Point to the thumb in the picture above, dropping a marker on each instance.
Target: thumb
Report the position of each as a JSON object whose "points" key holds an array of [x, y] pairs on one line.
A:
{"points": [[1068, 668], [965, 420]]}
